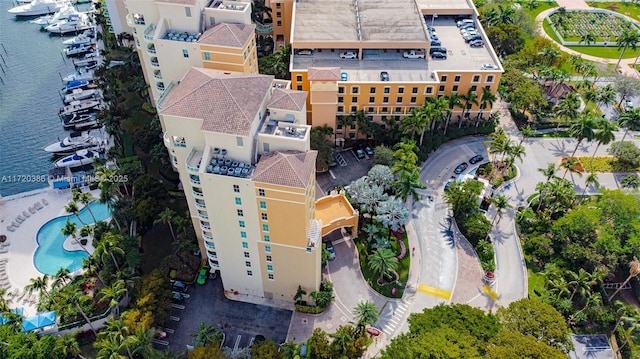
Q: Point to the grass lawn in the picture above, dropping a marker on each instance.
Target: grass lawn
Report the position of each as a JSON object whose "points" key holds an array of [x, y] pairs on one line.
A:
{"points": [[626, 8], [536, 284], [542, 6], [403, 267]]}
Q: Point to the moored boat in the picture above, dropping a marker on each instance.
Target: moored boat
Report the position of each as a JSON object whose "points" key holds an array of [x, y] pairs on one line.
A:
{"points": [[85, 38], [73, 23], [75, 50], [37, 8], [72, 121], [63, 13], [78, 159], [80, 94], [74, 142], [79, 75], [79, 107], [73, 85]]}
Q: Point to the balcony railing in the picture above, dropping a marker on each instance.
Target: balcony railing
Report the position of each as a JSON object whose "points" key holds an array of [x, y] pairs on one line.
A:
{"points": [[214, 264], [264, 28], [197, 194], [154, 62], [160, 86], [148, 32], [201, 204], [151, 48], [157, 74], [167, 140], [202, 215], [208, 237], [195, 179], [205, 225], [193, 160]]}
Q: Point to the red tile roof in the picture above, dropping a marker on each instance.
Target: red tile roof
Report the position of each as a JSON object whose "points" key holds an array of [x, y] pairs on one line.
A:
{"points": [[285, 99], [290, 168], [323, 74], [227, 102], [229, 35]]}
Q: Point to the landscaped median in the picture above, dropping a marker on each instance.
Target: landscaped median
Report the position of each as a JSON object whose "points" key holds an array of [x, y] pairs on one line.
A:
{"points": [[393, 284]]}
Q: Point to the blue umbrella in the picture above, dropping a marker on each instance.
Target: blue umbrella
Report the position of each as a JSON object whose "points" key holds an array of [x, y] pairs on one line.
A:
{"points": [[17, 311], [39, 321]]}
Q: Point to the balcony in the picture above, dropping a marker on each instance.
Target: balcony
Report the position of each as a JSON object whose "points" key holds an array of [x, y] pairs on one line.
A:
{"points": [[134, 19], [148, 32], [160, 86], [157, 74], [151, 48], [194, 179], [205, 226], [214, 264], [264, 29], [175, 161], [154, 62], [203, 215], [200, 204], [212, 255], [208, 237], [193, 160], [197, 193], [167, 140]]}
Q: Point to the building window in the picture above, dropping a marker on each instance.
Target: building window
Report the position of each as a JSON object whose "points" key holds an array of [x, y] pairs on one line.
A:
{"points": [[443, 78], [279, 23], [354, 99], [238, 201], [278, 5], [187, 11], [247, 264], [354, 109], [398, 109], [474, 88], [249, 273], [401, 90], [429, 90], [413, 99], [264, 216], [268, 258], [441, 88], [278, 14], [241, 224], [185, 53], [239, 141], [385, 110], [247, 255], [236, 188], [267, 238], [355, 90], [207, 56], [456, 78], [240, 213], [339, 127], [299, 87], [399, 99], [387, 90], [490, 78], [269, 267], [372, 99], [476, 78], [487, 88], [340, 89], [455, 88], [270, 276], [299, 78], [267, 249], [353, 126], [340, 108], [372, 90], [265, 227], [385, 99], [414, 90], [243, 234], [263, 204], [340, 99], [245, 245], [265, 147]]}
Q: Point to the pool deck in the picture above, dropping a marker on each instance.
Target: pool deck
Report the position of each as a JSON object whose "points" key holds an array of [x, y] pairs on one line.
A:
{"points": [[16, 254]]}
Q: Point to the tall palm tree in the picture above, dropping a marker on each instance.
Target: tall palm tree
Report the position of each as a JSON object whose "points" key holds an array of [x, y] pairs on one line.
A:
{"points": [[342, 338], [486, 101], [72, 208], [382, 262], [68, 346], [112, 294], [346, 121], [581, 282], [470, 99], [41, 285], [592, 179], [411, 125], [205, 334], [441, 110], [109, 245], [567, 108], [606, 95], [501, 202], [629, 120], [604, 134], [628, 38], [91, 267], [526, 133], [142, 342], [85, 198], [366, 313], [407, 184], [454, 101], [634, 270], [584, 129], [167, 216], [571, 165], [70, 229], [587, 39], [549, 172], [61, 278], [506, 14]]}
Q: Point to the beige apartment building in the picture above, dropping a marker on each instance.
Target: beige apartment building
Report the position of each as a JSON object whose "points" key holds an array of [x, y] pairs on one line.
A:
{"points": [[240, 143]]}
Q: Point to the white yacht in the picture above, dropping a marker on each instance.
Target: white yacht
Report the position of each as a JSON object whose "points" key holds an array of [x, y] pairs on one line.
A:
{"points": [[86, 37], [80, 158], [76, 141], [73, 23], [79, 75], [63, 13], [37, 8], [82, 94]]}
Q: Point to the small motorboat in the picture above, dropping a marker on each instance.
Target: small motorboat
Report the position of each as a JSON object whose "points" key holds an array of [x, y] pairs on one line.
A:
{"points": [[78, 159], [88, 125], [86, 37], [79, 75], [74, 142], [37, 8], [80, 107], [73, 85], [73, 23], [63, 13], [75, 50], [90, 59], [81, 94], [70, 122]]}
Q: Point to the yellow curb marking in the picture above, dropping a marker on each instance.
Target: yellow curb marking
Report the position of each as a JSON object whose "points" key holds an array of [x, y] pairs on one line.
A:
{"points": [[433, 291]]}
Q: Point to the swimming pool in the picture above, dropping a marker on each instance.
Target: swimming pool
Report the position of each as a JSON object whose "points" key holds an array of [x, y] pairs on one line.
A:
{"points": [[50, 255]]}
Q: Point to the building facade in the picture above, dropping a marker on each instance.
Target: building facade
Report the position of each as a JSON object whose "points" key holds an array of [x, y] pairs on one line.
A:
{"points": [[240, 143]]}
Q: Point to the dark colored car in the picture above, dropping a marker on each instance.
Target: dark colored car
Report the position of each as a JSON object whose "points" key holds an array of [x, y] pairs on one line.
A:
{"points": [[461, 167], [448, 184], [439, 56], [360, 153], [374, 331], [475, 159], [331, 250], [384, 76], [436, 43], [177, 297], [368, 150], [476, 43], [178, 286], [470, 38]]}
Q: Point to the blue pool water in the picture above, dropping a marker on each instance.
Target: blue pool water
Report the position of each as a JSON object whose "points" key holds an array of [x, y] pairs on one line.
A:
{"points": [[50, 255]]}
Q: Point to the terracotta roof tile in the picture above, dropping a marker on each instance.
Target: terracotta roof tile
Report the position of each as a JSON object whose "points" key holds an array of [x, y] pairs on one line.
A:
{"points": [[230, 35], [285, 99], [227, 102], [323, 74], [290, 168]]}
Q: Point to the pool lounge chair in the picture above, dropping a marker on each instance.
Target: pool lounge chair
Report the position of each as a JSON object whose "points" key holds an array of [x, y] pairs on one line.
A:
{"points": [[37, 206], [25, 214], [19, 219], [4, 251], [44, 201], [11, 228], [32, 210]]}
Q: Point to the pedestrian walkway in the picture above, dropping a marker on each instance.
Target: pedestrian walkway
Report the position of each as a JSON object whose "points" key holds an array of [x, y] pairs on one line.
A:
{"points": [[396, 320], [433, 291], [625, 67]]}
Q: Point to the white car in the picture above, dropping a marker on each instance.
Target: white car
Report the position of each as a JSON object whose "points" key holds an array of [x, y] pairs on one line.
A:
{"points": [[348, 55], [489, 67], [628, 105]]}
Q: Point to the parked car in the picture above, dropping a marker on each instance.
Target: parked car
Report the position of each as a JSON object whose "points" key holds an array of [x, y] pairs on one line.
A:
{"points": [[476, 43], [344, 76], [384, 76], [431, 29], [470, 38], [178, 286], [436, 43], [331, 250], [177, 297], [413, 54], [439, 56], [202, 276], [368, 150], [374, 331], [464, 22], [360, 153], [475, 159], [489, 67], [448, 184], [461, 167], [348, 55]]}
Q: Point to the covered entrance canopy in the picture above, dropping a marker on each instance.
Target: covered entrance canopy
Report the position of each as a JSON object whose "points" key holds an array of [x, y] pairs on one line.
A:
{"points": [[335, 211]]}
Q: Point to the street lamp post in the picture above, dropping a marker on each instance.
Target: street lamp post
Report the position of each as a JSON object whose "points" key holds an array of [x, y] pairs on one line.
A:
{"points": [[433, 17]]}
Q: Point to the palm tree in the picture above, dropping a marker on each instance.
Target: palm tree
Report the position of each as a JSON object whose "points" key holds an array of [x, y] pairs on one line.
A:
{"points": [[486, 100], [571, 165], [592, 179], [470, 99], [108, 245], [70, 229], [628, 37], [581, 282], [526, 133], [588, 39], [73, 302], [366, 313], [629, 120], [604, 134], [299, 293], [112, 294], [634, 270], [342, 338], [549, 173], [72, 208], [345, 122], [506, 14], [581, 130], [501, 202], [91, 267], [206, 334], [411, 125], [68, 346], [392, 213], [441, 110], [567, 108], [142, 342], [111, 348], [167, 216], [606, 95], [407, 184], [41, 285], [454, 101], [382, 262], [61, 278], [85, 198]]}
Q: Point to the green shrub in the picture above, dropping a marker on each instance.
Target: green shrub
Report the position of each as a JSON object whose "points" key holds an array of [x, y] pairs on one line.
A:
{"points": [[475, 227], [309, 309]]}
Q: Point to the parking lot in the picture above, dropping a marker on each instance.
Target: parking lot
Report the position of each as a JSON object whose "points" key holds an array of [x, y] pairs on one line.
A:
{"points": [[240, 322], [345, 171]]}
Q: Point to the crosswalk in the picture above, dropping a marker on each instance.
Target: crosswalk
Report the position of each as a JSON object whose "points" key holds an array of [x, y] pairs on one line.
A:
{"points": [[396, 319]]}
